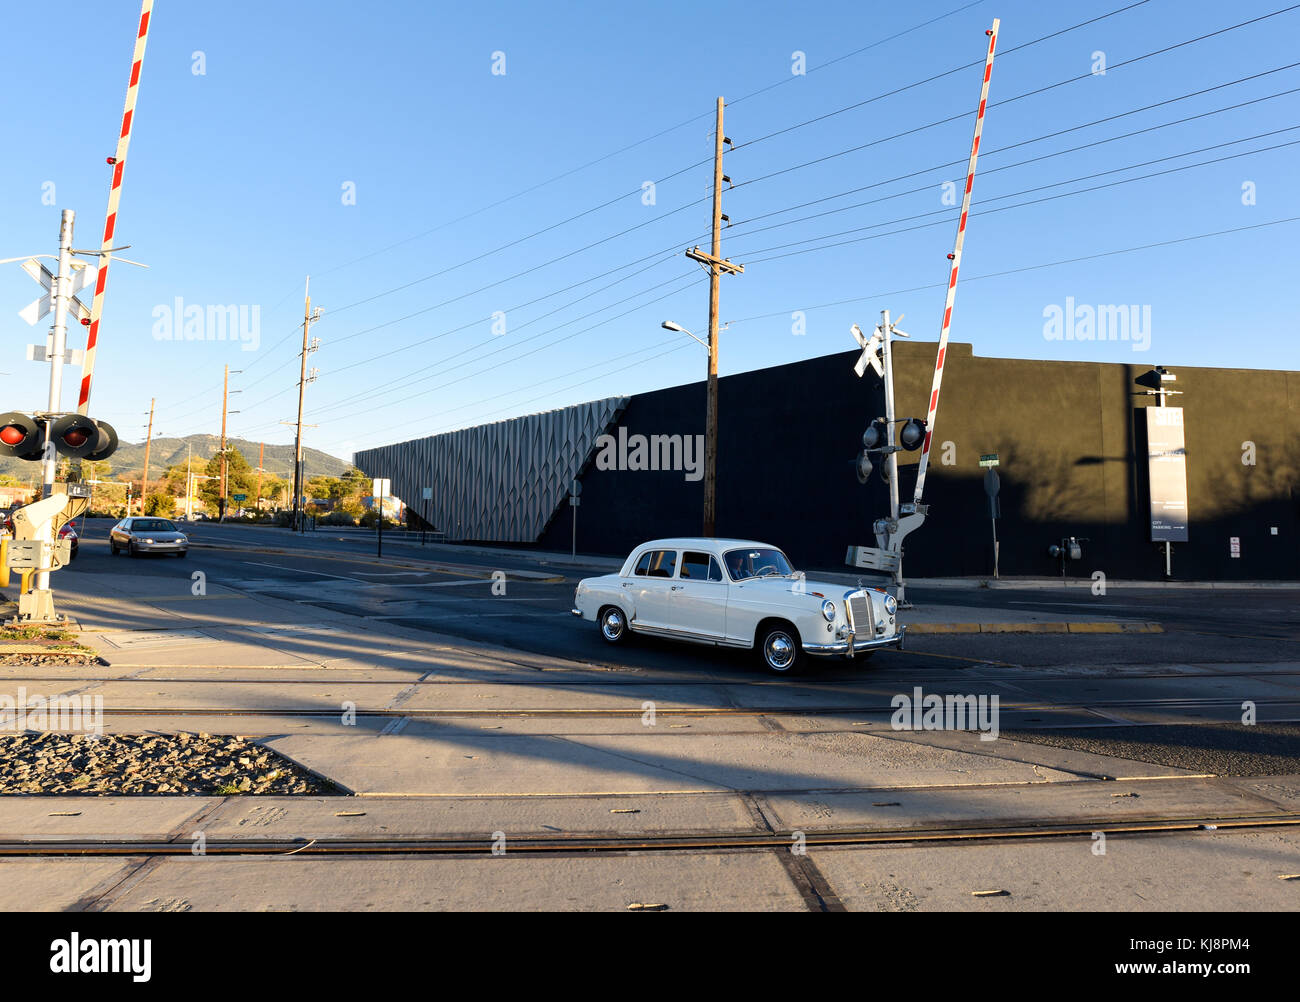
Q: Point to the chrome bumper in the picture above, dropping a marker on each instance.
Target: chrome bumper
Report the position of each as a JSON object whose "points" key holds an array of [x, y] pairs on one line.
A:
{"points": [[576, 612], [842, 646]]}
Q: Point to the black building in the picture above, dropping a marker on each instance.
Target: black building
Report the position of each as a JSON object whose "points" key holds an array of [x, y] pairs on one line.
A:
{"points": [[1070, 442]]}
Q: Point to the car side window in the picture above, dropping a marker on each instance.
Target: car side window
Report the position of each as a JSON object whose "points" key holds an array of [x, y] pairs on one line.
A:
{"points": [[643, 565], [663, 563], [700, 567]]}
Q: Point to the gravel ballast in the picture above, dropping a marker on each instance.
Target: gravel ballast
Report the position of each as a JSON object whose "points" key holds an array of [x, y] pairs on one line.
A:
{"points": [[168, 764]]}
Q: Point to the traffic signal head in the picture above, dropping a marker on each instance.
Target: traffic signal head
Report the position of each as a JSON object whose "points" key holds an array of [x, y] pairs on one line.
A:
{"points": [[912, 435], [21, 435], [864, 467], [876, 435]]}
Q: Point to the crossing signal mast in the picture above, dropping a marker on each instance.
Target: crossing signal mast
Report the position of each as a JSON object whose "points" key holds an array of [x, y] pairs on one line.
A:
{"points": [[41, 437], [879, 438]]}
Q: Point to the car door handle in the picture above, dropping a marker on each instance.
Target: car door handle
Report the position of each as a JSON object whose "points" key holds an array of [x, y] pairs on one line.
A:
{"points": [[677, 587]]}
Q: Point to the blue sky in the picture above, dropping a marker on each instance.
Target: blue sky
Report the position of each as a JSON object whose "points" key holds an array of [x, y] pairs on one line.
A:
{"points": [[234, 192]]}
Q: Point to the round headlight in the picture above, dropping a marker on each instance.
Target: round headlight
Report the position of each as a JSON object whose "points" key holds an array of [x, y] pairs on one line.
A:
{"points": [[891, 604], [828, 610]]}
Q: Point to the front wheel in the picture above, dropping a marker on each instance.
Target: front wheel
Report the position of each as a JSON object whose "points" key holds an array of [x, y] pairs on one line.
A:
{"points": [[183, 554], [613, 624], [131, 550], [779, 649], [112, 548]]}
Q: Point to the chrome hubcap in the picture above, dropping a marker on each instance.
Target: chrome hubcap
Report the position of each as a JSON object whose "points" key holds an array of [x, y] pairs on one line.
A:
{"points": [[612, 625], [779, 651]]}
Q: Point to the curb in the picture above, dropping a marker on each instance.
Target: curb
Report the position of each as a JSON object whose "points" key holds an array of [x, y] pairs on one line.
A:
{"points": [[1084, 627]]}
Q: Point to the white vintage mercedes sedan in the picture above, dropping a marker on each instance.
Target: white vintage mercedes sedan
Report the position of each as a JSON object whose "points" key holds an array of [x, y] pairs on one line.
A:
{"points": [[736, 593]]}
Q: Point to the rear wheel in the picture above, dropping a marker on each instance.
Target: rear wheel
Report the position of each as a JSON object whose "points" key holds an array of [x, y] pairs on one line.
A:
{"points": [[613, 624], [778, 648]]}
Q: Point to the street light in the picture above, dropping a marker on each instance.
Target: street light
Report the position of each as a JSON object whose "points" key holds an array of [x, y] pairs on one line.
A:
{"points": [[668, 325]]}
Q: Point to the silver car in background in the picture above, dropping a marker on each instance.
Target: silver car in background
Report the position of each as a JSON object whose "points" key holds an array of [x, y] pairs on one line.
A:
{"points": [[147, 535]]}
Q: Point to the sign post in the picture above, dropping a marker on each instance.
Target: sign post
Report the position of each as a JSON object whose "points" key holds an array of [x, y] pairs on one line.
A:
{"points": [[993, 484], [380, 489], [1167, 474], [426, 493]]}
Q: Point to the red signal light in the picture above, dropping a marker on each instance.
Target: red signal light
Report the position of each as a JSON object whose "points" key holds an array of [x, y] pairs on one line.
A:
{"points": [[11, 434], [85, 321]]}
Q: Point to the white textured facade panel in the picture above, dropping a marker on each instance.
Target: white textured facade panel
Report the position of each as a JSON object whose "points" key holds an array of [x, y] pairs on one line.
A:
{"points": [[500, 482]]}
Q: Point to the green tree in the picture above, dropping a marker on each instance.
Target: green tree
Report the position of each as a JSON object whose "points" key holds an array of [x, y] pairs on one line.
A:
{"points": [[240, 477], [159, 503]]}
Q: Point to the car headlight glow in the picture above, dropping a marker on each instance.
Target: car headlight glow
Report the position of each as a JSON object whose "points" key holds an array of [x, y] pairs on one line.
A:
{"points": [[891, 604], [148, 540], [828, 610]]}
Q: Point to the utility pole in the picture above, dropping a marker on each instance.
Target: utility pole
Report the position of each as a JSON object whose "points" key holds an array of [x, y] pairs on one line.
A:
{"points": [[225, 395], [261, 456], [716, 265], [303, 380], [148, 442]]}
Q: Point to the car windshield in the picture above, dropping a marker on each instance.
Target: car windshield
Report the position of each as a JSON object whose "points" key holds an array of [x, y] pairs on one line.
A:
{"points": [[152, 525], [757, 562]]}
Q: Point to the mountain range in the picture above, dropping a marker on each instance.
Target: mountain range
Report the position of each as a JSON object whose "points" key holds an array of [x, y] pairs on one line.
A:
{"points": [[129, 458]]}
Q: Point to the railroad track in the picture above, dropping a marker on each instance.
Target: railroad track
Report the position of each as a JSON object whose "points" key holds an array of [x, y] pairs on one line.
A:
{"points": [[463, 845]]}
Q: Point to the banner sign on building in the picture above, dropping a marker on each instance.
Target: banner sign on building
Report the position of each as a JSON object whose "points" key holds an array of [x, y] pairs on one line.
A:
{"points": [[1167, 469]]}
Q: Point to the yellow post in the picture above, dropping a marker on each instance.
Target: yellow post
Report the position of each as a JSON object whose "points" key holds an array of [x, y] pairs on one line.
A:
{"points": [[4, 563]]}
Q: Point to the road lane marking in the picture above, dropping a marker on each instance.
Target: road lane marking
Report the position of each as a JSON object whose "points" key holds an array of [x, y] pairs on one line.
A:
{"points": [[296, 570]]}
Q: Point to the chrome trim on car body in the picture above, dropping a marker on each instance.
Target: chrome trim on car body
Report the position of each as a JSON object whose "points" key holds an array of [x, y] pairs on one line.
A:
{"points": [[842, 647]]}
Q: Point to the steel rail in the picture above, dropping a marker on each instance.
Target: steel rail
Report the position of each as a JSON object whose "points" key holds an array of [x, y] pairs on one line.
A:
{"points": [[607, 843]]}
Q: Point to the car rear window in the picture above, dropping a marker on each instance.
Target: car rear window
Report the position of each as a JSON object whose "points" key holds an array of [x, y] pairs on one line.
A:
{"points": [[657, 564], [700, 567]]}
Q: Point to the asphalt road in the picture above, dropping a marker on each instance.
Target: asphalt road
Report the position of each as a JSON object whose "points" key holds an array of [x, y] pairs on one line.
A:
{"points": [[340, 572]]}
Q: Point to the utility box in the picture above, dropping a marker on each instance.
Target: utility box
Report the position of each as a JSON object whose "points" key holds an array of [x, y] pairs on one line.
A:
{"points": [[872, 558], [27, 554]]}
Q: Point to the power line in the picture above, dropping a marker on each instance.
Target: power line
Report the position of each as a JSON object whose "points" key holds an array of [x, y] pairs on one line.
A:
{"points": [[1038, 90], [1024, 142], [360, 395], [410, 381], [488, 319], [937, 76], [641, 142], [920, 288], [1022, 163], [1018, 205], [800, 166], [1050, 135], [495, 367], [1026, 268], [639, 190]]}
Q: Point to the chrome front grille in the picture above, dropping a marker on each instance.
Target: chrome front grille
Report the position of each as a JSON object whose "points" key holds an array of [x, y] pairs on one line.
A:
{"points": [[860, 615]]}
